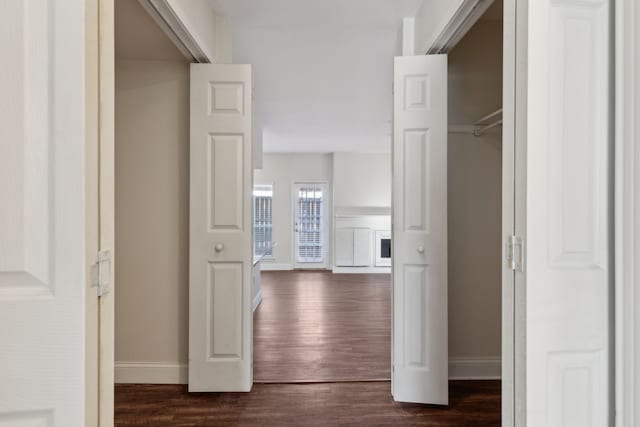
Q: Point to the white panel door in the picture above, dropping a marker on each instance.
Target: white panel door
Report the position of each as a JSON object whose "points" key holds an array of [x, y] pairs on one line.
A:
{"points": [[221, 243], [361, 247], [568, 181], [420, 365], [43, 225]]}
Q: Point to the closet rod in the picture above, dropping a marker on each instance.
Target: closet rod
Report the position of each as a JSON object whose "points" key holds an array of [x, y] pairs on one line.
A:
{"points": [[479, 131], [489, 116]]}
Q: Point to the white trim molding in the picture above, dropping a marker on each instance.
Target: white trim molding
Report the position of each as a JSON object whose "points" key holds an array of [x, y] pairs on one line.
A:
{"points": [[271, 266], [168, 20], [460, 368], [461, 22], [361, 270], [150, 373], [627, 214], [475, 368]]}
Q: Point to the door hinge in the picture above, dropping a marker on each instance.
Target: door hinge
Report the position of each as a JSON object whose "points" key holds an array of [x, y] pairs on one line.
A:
{"points": [[515, 248], [101, 272]]}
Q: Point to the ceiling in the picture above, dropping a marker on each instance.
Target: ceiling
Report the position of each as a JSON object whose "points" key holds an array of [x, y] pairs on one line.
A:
{"points": [[322, 69]]}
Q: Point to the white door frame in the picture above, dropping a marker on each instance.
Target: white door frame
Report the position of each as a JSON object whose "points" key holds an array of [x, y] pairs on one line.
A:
{"points": [[514, 212], [327, 225], [627, 213], [99, 194], [106, 140], [510, 322]]}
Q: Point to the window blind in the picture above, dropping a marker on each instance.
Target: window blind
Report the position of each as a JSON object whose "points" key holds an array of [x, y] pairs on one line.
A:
{"points": [[310, 223], [263, 217]]}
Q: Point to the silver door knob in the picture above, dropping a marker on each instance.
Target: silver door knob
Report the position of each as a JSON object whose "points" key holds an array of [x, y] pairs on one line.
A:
{"points": [[421, 249], [219, 247]]}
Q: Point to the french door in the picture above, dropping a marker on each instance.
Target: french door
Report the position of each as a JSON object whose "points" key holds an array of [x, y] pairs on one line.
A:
{"points": [[310, 224]]}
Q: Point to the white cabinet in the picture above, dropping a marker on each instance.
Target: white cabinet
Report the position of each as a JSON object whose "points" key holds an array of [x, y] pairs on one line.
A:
{"points": [[344, 247], [361, 247], [353, 247]]}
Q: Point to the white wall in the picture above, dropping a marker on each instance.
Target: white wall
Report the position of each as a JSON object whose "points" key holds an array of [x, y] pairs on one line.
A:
{"points": [[430, 20], [282, 170], [475, 194], [151, 203], [362, 180]]}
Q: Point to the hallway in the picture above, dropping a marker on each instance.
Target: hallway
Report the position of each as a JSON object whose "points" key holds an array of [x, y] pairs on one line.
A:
{"points": [[315, 326]]}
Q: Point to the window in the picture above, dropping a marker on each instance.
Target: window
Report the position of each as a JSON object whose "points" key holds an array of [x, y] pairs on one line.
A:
{"points": [[263, 218], [310, 223]]}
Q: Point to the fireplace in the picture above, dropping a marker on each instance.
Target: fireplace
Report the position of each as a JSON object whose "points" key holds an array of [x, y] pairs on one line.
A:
{"points": [[383, 248]]}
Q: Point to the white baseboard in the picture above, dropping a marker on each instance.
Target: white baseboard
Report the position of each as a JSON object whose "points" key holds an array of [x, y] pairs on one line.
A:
{"points": [[269, 266], [361, 270], [475, 368], [460, 368], [150, 373], [257, 300]]}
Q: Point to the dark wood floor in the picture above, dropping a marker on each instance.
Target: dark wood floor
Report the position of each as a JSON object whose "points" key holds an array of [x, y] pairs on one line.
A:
{"points": [[472, 403], [313, 326], [318, 326]]}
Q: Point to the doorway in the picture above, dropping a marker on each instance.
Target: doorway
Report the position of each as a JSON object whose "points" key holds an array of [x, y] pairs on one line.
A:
{"points": [[310, 209], [177, 367]]}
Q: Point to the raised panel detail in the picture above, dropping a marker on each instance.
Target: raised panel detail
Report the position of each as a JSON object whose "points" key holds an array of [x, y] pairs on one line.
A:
{"points": [[225, 310], [226, 171], [577, 111], [577, 393], [226, 98], [416, 185], [37, 418], [415, 311], [25, 160], [417, 92]]}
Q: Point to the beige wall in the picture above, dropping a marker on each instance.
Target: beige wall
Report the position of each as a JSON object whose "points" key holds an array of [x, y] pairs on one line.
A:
{"points": [[475, 173], [152, 199], [282, 170]]}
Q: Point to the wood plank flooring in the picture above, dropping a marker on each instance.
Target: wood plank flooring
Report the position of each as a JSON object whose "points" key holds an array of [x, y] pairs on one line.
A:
{"points": [[472, 403], [315, 326]]}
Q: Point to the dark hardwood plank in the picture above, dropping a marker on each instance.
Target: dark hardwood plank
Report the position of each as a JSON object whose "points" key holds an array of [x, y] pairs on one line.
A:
{"points": [[472, 403], [318, 326]]}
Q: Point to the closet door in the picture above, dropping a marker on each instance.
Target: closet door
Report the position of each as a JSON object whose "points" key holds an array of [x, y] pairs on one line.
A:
{"points": [[568, 224], [48, 216], [220, 242], [420, 365]]}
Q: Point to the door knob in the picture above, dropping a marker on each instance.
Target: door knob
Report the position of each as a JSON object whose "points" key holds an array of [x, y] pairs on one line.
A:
{"points": [[421, 249], [219, 247]]}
